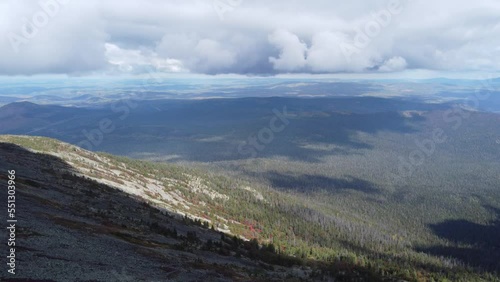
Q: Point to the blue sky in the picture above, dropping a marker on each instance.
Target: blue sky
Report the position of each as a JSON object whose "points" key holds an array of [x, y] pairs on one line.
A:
{"points": [[355, 39]]}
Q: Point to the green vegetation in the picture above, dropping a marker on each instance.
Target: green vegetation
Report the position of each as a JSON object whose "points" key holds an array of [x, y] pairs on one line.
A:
{"points": [[340, 234]]}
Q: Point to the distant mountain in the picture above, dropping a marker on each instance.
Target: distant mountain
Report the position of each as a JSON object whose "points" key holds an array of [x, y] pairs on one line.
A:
{"points": [[153, 119], [83, 97], [51, 98], [27, 118], [97, 217], [25, 107], [8, 99]]}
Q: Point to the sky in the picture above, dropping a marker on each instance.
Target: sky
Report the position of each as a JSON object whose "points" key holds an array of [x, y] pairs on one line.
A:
{"points": [[249, 37]]}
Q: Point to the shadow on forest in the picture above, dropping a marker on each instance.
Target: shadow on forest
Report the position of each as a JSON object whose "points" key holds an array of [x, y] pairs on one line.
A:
{"points": [[474, 244], [331, 124], [311, 183], [213, 130]]}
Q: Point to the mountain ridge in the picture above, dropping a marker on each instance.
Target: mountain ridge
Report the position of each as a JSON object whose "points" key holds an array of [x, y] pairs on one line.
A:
{"points": [[74, 223]]}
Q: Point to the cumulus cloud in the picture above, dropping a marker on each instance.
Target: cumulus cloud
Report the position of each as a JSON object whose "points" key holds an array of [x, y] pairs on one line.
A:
{"points": [[336, 52], [233, 53], [255, 37], [329, 52], [292, 51], [325, 54], [393, 64], [212, 55]]}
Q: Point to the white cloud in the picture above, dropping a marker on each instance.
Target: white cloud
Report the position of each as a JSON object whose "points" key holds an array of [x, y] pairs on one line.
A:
{"points": [[292, 51], [255, 37], [204, 55], [211, 55], [393, 64], [326, 54], [135, 61], [37, 40]]}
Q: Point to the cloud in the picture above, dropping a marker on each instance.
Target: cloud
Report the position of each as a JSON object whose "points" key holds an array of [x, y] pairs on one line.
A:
{"points": [[255, 37], [135, 61], [292, 51], [50, 38], [328, 54], [236, 53], [325, 54], [393, 64], [211, 56]]}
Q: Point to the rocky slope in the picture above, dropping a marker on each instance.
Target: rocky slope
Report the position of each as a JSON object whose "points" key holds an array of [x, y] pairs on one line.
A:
{"points": [[89, 217]]}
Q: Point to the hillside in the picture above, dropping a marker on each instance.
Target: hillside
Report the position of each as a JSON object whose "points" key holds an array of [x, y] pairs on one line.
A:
{"points": [[88, 216], [99, 217]]}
